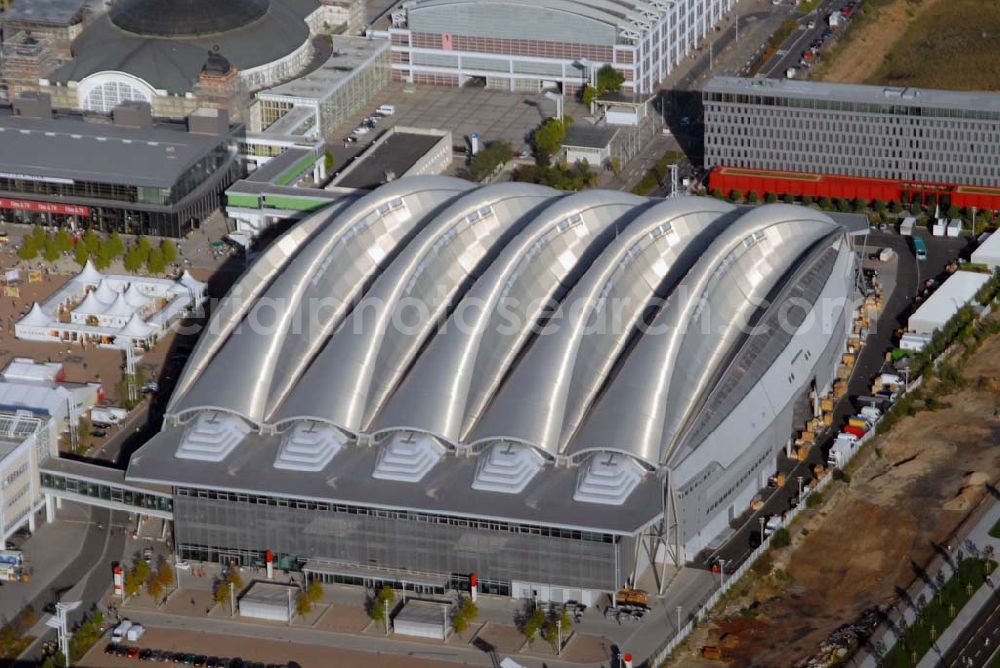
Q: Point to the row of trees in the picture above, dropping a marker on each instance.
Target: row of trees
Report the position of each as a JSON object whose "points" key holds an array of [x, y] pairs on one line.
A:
{"points": [[222, 585], [857, 205], [309, 597], [552, 624], [84, 637], [156, 581], [101, 250]]}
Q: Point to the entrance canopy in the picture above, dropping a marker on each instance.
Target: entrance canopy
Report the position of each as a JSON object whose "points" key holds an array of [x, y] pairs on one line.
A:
{"points": [[320, 567]]}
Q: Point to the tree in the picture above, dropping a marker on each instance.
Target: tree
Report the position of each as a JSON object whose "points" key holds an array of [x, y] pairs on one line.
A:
{"points": [[770, 198], [588, 94], [169, 250], [789, 198], [28, 249], [116, 247], [50, 251], [753, 198], [234, 577], [80, 254], [303, 604], [808, 200], [547, 140], [615, 165], [861, 204], [717, 193], [103, 256], [314, 591], [735, 195], [143, 247], [380, 603], [953, 211], [493, 155], [894, 207], [825, 203], [64, 240], [221, 594], [165, 573], [532, 624], [879, 206], [133, 260], [154, 588], [465, 614], [155, 263], [609, 80]]}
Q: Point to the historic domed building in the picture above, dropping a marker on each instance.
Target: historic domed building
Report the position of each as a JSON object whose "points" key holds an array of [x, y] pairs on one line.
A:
{"points": [[178, 55]]}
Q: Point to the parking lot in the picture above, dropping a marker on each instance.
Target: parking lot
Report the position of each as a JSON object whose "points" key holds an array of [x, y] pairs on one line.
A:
{"points": [[495, 115]]}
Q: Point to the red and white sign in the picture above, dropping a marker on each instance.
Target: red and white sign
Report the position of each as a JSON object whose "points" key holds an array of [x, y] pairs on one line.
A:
{"points": [[119, 581], [446, 42], [44, 207]]}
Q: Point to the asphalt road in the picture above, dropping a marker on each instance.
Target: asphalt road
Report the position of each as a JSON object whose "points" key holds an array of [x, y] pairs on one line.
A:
{"points": [[909, 277], [790, 52], [86, 577], [979, 640]]}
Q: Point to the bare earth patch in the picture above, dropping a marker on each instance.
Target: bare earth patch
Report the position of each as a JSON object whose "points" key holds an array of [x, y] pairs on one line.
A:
{"points": [[949, 44], [908, 493]]}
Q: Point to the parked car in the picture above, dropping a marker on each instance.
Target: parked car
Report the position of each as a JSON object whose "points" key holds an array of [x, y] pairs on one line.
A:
{"points": [[811, 24], [360, 131], [98, 433], [386, 110]]}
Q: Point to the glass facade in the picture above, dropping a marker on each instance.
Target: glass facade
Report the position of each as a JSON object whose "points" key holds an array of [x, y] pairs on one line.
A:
{"points": [[129, 209], [106, 492], [224, 526]]}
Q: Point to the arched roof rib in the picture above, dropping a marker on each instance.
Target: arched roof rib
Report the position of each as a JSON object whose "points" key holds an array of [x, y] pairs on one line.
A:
{"points": [[664, 374], [676, 236], [241, 297], [283, 323], [757, 353], [378, 233], [473, 346], [552, 384], [365, 357]]}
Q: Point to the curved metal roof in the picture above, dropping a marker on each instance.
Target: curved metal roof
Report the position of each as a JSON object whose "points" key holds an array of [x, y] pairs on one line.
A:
{"points": [[185, 18], [618, 13], [511, 312]]}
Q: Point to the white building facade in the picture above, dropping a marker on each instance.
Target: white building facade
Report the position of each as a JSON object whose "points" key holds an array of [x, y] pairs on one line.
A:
{"points": [[529, 45]]}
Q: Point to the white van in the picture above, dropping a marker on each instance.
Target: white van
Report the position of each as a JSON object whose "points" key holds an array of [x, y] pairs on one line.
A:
{"points": [[386, 110], [120, 631]]}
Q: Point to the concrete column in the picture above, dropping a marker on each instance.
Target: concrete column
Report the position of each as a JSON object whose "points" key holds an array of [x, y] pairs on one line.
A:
{"points": [[58, 502], [32, 524], [50, 509]]}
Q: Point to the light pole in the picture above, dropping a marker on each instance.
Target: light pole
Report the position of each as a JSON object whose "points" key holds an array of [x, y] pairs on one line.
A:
{"points": [[722, 572], [385, 608], [800, 479], [58, 622], [232, 599], [559, 637], [678, 619], [761, 520]]}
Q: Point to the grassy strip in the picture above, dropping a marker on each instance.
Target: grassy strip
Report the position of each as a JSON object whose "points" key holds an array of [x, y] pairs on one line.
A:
{"points": [[783, 32], [938, 613]]}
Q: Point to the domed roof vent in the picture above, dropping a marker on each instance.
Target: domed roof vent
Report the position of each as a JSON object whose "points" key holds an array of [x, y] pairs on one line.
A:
{"points": [[186, 18], [217, 65]]}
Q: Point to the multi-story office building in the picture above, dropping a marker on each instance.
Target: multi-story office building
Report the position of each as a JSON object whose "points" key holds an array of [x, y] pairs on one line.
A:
{"points": [[133, 176], [529, 44], [840, 140]]}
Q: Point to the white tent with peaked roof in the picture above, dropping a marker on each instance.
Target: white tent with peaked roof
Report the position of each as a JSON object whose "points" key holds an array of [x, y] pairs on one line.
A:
{"points": [[135, 298], [36, 317], [89, 274], [105, 293], [90, 306], [118, 314]]}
